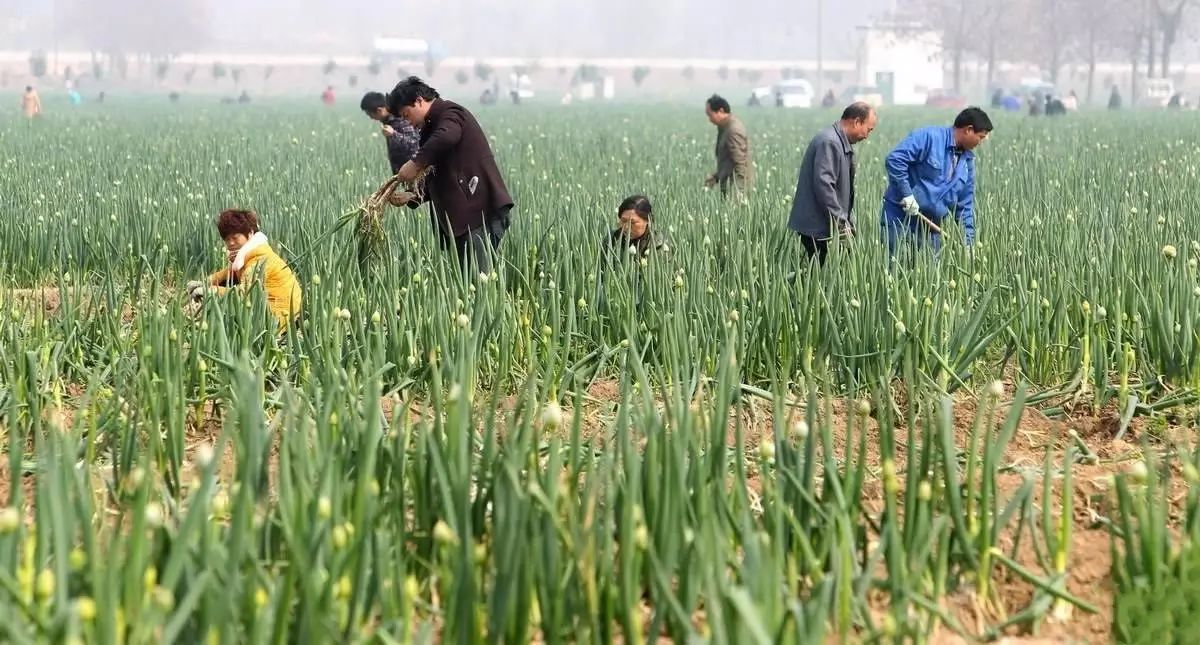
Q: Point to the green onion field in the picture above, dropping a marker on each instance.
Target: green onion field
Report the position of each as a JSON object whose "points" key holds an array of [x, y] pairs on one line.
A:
{"points": [[577, 449]]}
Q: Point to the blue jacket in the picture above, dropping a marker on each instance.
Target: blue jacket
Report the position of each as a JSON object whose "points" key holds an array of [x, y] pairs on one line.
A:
{"points": [[923, 166]]}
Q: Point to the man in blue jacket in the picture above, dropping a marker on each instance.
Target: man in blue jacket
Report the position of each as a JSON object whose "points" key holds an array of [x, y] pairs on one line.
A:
{"points": [[931, 174]]}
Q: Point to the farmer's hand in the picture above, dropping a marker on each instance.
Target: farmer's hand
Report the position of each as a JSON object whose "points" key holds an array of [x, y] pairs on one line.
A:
{"points": [[710, 181], [910, 206], [192, 285], [199, 289], [408, 172], [401, 198], [846, 231], [388, 131]]}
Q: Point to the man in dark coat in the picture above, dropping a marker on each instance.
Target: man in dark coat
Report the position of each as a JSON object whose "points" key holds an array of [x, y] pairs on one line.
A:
{"points": [[470, 202], [825, 190]]}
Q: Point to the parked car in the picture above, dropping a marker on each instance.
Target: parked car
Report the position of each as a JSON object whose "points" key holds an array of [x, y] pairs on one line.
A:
{"points": [[1157, 92], [794, 93], [864, 93], [760, 96], [520, 87], [1030, 88], [945, 99]]}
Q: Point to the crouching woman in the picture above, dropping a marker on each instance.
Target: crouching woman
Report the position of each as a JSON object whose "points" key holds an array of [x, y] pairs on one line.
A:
{"points": [[634, 235], [630, 245], [251, 260]]}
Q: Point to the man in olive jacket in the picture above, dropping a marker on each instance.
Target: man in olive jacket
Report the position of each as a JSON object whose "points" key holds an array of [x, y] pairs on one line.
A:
{"points": [[470, 202], [825, 189], [734, 166]]}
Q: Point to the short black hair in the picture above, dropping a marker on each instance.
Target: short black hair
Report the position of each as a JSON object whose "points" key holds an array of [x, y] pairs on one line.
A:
{"points": [[857, 111], [372, 101], [717, 103], [407, 92], [973, 118], [639, 204]]}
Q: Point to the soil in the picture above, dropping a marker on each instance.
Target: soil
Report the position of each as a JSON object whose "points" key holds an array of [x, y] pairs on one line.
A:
{"points": [[50, 300], [47, 298]]}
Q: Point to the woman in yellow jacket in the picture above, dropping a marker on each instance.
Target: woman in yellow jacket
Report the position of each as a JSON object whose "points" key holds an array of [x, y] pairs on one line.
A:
{"points": [[251, 258]]}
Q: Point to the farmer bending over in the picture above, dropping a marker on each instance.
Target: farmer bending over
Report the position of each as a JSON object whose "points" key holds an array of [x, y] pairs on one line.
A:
{"points": [[403, 140], [251, 259], [931, 175], [470, 202]]}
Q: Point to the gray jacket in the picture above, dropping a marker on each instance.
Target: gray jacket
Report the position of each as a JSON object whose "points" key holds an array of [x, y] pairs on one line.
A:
{"points": [[825, 189]]}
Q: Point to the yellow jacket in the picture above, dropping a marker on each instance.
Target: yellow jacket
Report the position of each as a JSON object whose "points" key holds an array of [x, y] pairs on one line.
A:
{"points": [[256, 260]]}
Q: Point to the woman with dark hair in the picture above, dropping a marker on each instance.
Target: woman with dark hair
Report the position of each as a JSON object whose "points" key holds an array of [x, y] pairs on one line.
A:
{"points": [[634, 234], [631, 242], [251, 260]]}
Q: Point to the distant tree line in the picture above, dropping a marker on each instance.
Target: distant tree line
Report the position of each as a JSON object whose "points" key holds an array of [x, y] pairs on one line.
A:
{"points": [[1055, 33]]}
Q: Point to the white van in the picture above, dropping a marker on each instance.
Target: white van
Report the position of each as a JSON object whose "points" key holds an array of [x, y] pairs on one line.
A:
{"points": [[794, 93], [520, 86], [1158, 92]]}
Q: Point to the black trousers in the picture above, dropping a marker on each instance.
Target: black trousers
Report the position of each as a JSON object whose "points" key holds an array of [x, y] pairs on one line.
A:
{"points": [[816, 248], [475, 248]]}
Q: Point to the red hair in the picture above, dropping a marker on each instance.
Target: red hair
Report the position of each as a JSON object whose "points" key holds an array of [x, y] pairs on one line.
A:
{"points": [[234, 220]]}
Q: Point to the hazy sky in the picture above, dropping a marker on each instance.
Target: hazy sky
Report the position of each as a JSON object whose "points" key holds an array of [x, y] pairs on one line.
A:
{"points": [[700, 28], [526, 28]]}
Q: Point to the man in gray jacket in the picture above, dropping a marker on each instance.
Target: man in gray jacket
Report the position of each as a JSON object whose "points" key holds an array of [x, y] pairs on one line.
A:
{"points": [[825, 190]]}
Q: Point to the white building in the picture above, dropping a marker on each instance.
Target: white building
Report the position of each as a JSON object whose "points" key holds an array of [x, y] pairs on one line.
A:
{"points": [[399, 49], [903, 60]]}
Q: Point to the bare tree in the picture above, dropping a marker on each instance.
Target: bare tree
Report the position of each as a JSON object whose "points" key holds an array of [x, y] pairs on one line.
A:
{"points": [[1134, 35], [975, 28], [1102, 29], [954, 19], [1055, 47], [1170, 17], [995, 38], [1151, 38]]}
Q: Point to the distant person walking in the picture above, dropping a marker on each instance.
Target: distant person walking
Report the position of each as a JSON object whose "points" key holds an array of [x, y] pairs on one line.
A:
{"points": [[402, 138], [931, 174], [31, 103], [1114, 99], [824, 201], [1037, 104], [470, 203], [734, 167], [1071, 102], [327, 96]]}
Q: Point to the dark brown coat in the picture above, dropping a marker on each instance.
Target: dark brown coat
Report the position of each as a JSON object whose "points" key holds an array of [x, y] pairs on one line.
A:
{"points": [[465, 184]]}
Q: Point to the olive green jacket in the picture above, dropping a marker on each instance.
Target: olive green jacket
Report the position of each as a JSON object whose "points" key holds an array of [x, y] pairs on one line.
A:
{"points": [[734, 165]]}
